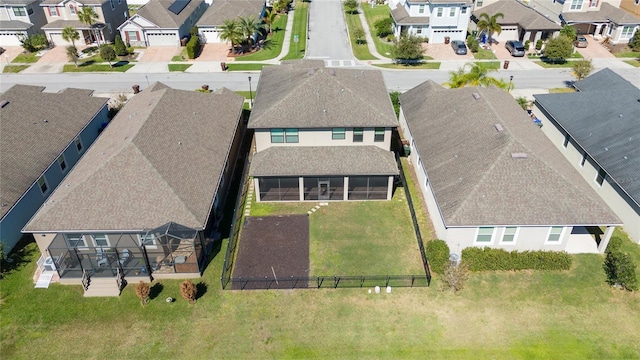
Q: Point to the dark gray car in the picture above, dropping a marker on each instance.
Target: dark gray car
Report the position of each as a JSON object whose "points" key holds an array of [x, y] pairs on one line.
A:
{"points": [[515, 48], [459, 47]]}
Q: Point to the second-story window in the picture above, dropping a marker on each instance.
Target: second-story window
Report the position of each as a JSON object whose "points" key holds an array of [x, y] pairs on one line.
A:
{"points": [[19, 11], [421, 9], [291, 135], [452, 12], [338, 134], [277, 136], [53, 11], [357, 134], [72, 9], [378, 135], [439, 13]]}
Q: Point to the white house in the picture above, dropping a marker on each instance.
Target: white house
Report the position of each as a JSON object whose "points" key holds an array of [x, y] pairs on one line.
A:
{"points": [[436, 20]]}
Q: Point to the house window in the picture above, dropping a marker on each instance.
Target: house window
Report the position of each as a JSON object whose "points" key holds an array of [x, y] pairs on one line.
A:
{"points": [[566, 141], [338, 134], [627, 32], [463, 11], [53, 11], [485, 235], [601, 176], [291, 135], [358, 134], [509, 235], [30, 11], [593, 3], [79, 146], [576, 4], [418, 30], [113, 5], [452, 12], [75, 241], [19, 11], [42, 183], [100, 240], [72, 9], [479, 3], [62, 163], [584, 159], [148, 240], [277, 136], [421, 9], [378, 135], [555, 234], [439, 13], [132, 35]]}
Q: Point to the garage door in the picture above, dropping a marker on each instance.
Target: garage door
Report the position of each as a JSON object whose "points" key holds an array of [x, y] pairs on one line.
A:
{"points": [[211, 36], [56, 39], [163, 39], [507, 33], [9, 38]]}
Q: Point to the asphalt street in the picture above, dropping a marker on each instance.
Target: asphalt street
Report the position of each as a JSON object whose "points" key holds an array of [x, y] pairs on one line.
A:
{"points": [[328, 37]]}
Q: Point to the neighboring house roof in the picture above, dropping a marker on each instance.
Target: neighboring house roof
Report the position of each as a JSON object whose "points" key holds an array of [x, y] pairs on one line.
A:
{"points": [[307, 95], [159, 160], [323, 161], [516, 12], [14, 25], [220, 11], [76, 24], [475, 172], [17, 2], [604, 120], [33, 136], [401, 17], [157, 12], [606, 13], [82, 2]]}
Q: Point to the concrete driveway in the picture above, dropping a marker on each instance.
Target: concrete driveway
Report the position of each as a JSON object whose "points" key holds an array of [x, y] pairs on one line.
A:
{"points": [[56, 55], [213, 52], [595, 50], [158, 53], [442, 52], [10, 53]]}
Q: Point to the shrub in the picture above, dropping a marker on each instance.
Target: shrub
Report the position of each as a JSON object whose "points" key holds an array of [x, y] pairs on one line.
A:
{"points": [[634, 43], [188, 291], [34, 42], [395, 101], [383, 27], [479, 259], [193, 47], [438, 254], [119, 47], [143, 290], [473, 44], [619, 266], [107, 53], [615, 244], [527, 44], [569, 32], [454, 277], [558, 49], [407, 49], [539, 44]]}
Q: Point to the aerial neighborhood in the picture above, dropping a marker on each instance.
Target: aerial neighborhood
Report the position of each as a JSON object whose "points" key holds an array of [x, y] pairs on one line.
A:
{"points": [[320, 179]]}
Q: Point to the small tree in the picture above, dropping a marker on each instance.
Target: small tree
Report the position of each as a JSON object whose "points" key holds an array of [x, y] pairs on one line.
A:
{"points": [[523, 102], [119, 47], [358, 33], [72, 54], [569, 32], [70, 34], [454, 277], [582, 68], [407, 49], [383, 27], [351, 6], [558, 49], [269, 18], [188, 291], [634, 43], [473, 44], [107, 53], [34, 42], [142, 291]]}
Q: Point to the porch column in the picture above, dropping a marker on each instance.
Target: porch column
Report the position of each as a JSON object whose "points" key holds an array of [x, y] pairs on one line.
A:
{"points": [[527, 36], [345, 191], [389, 187], [597, 31], [605, 239], [256, 188], [301, 188], [537, 37]]}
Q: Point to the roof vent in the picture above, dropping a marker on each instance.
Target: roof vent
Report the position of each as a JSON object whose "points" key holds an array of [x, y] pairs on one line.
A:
{"points": [[332, 72], [45, 120], [519, 155], [4, 103], [498, 127], [476, 95]]}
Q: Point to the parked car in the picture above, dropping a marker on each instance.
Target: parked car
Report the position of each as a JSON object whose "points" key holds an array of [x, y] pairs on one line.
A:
{"points": [[515, 48], [581, 42], [459, 47]]}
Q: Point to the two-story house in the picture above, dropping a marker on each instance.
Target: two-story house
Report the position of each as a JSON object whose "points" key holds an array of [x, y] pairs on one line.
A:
{"points": [[600, 18], [322, 134], [146, 197], [43, 136], [438, 20], [18, 19], [63, 13]]}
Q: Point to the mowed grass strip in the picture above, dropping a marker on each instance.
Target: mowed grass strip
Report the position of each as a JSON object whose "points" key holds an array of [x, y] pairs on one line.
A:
{"points": [[178, 67], [97, 68], [14, 68], [299, 28], [273, 44], [373, 14], [360, 50]]}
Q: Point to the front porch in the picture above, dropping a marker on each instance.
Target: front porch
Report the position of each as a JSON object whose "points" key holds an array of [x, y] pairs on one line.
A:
{"points": [[588, 239]]}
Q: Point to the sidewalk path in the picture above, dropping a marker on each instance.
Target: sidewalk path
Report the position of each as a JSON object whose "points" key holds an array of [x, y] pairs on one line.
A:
{"points": [[370, 44]]}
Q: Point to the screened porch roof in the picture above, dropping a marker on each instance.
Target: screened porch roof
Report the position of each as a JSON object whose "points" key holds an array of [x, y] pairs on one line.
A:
{"points": [[323, 161]]}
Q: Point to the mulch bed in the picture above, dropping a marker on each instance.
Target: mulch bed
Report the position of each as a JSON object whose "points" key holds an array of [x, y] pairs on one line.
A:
{"points": [[278, 242]]}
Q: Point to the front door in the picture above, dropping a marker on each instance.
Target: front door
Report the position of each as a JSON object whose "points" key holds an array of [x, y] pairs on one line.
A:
{"points": [[323, 190]]}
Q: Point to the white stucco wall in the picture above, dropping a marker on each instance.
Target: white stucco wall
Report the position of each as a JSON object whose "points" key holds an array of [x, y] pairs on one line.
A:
{"points": [[323, 137]]}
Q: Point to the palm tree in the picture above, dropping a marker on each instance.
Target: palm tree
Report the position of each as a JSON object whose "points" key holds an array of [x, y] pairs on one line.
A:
{"points": [[249, 26], [269, 18], [456, 79], [72, 53], [476, 76], [489, 24], [231, 32], [88, 16], [70, 34]]}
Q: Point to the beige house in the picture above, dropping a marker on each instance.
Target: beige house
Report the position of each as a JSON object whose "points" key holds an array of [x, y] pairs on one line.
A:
{"points": [[598, 130], [19, 18], [491, 178], [146, 198], [322, 134], [63, 13]]}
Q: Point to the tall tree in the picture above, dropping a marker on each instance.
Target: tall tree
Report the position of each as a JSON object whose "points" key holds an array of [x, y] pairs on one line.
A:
{"points": [[249, 26], [88, 16], [558, 49], [70, 34], [270, 17], [230, 31], [477, 75], [408, 47], [107, 53], [489, 25], [568, 31], [72, 54], [582, 68]]}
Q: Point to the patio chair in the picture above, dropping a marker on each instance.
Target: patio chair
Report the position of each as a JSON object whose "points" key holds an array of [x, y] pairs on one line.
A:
{"points": [[101, 258]]}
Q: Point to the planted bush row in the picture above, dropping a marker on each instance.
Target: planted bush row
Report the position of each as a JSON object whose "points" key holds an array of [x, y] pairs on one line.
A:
{"points": [[479, 259], [438, 254]]}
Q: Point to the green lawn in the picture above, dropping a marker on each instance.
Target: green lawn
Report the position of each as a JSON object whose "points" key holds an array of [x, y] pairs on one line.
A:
{"points": [[26, 58], [548, 65], [14, 68], [178, 58], [91, 67], [562, 90], [483, 54], [372, 15], [628, 54], [492, 65], [179, 67], [360, 50], [635, 63], [433, 65], [297, 51], [272, 45], [245, 66]]}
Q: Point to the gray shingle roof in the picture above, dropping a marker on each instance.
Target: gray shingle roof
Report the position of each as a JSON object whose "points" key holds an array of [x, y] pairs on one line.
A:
{"points": [[475, 178], [297, 95], [220, 11], [29, 145], [323, 161], [604, 119], [14, 25], [158, 161], [157, 11], [84, 2], [61, 24], [17, 2], [401, 17], [607, 12], [516, 12]]}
